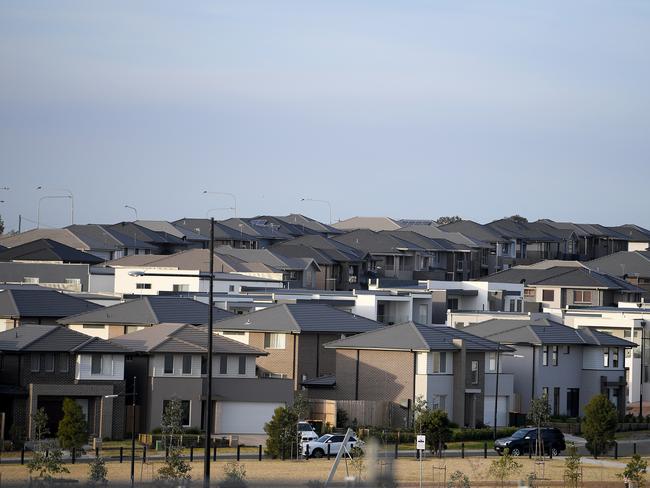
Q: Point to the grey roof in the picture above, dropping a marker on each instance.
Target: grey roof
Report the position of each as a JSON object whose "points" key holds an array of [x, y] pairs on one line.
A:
{"points": [[325, 381], [562, 276], [299, 318], [267, 257], [101, 237], [430, 244], [299, 220], [369, 223], [149, 310], [376, 242], [410, 336], [48, 250], [510, 228], [21, 303], [172, 229], [64, 236], [537, 331], [182, 338], [221, 232], [473, 230], [438, 233], [53, 338], [260, 228], [633, 232], [587, 230], [635, 263], [144, 234], [322, 249]]}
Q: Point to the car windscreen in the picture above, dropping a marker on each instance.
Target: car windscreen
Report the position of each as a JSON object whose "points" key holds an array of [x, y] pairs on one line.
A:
{"points": [[323, 438], [304, 427], [520, 434]]}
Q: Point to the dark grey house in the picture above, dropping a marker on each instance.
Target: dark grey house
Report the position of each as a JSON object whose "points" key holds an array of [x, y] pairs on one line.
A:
{"points": [[168, 361], [40, 365]]}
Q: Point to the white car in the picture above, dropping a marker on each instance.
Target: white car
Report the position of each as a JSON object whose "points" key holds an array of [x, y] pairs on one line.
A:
{"points": [[306, 432], [318, 448]]}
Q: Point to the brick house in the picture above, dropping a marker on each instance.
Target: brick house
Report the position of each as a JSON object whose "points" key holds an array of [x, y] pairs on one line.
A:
{"points": [[451, 369], [40, 365]]}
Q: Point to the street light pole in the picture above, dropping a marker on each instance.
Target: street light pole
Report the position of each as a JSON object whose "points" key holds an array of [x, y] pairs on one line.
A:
{"points": [[208, 401], [135, 210], [133, 435], [70, 195], [320, 201], [40, 200], [641, 375], [231, 195]]}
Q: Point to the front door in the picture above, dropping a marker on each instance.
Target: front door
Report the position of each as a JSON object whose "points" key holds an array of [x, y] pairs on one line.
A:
{"points": [[573, 402]]}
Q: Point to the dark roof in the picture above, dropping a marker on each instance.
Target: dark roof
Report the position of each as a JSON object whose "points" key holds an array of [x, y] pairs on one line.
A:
{"points": [[562, 276], [144, 234], [53, 338], [325, 381], [48, 250], [635, 263], [322, 249], [221, 232], [473, 230], [301, 221], [633, 232], [410, 336], [376, 242], [428, 243], [182, 338], [520, 230], [537, 331], [300, 318], [99, 237], [261, 228], [41, 303], [149, 310]]}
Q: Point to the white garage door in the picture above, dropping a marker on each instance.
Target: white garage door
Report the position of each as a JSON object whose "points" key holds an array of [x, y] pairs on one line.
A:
{"points": [[502, 411], [244, 417]]}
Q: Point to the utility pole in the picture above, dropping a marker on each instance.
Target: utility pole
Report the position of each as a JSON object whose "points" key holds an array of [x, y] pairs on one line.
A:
{"points": [[496, 392], [208, 400], [133, 434]]}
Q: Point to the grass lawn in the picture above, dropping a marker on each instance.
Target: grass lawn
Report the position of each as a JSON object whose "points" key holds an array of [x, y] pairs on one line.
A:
{"points": [[406, 470]]}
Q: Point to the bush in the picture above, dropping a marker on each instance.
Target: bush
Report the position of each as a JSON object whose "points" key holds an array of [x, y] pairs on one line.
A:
{"points": [[235, 476], [458, 480], [504, 466], [72, 432], [175, 467], [599, 427], [281, 431], [97, 471], [634, 472], [435, 425]]}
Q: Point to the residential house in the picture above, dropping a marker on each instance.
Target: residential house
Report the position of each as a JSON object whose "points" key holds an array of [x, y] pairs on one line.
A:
{"points": [[568, 365], [170, 362], [40, 365], [532, 242], [294, 335], [593, 240], [35, 305], [140, 313], [566, 285], [638, 238], [194, 239], [631, 266], [266, 232], [451, 369], [165, 243], [223, 234], [47, 250]]}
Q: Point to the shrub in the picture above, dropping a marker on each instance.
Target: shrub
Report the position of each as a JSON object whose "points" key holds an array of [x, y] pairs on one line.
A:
{"points": [[235, 476], [342, 419], [572, 465], [458, 480], [97, 471], [281, 431], [72, 427], [435, 425], [174, 468], [599, 427], [504, 466], [634, 472]]}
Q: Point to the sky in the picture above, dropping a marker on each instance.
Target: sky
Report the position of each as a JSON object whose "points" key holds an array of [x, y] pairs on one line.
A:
{"points": [[410, 109]]}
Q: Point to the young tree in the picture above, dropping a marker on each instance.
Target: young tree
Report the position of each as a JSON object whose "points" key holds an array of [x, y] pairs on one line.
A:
{"points": [[448, 219], [72, 427], [572, 467], [539, 413], [235, 476], [435, 425], [634, 472], [458, 479], [504, 467], [97, 471], [357, 462], [300, 406], [174, 468], [599, 426], [45, 463], [281, 431], [419, 407]]}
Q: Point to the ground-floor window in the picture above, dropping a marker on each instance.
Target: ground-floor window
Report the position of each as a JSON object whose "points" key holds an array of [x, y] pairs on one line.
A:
{"points": [[185, 411]]}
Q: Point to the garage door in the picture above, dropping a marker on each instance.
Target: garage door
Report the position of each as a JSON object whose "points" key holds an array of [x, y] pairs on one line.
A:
{"points": [[244, 417], [502, 411]]}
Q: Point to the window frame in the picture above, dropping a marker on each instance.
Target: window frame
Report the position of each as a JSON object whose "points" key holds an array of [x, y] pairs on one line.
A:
{"points": [[544, 355], [474, 372], [545, 292], [242, 365], [223, 364], [273, 339], [167, 356], [186, 359], [554, 355], [582, 298], [606, 357], [615, 357], [34, 357], [439, 362], [96, 359]]}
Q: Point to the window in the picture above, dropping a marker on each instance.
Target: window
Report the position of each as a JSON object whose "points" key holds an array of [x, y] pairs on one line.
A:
{"points": [[492, 361], [32, 280], [169, 364], [96, 364], [64, 362], [180, 288], [529, 293], [606, 357], [581, 296], [452, 303], [231, 287], [545, 392], [474, 372], [544, 355], [185, 411], [548, 295], [143, 286], [274, 341], [556, 401], [73, 281], [567, 349], [223, 364], [242, 364], [515, 305], [439, 360], [554, 355], [187, 364], [615, 357], [35, 362], [47, 362], [438, 402]]}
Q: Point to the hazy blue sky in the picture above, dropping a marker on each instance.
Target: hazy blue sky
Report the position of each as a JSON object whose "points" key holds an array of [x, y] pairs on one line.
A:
{"points": [[406, 109]]}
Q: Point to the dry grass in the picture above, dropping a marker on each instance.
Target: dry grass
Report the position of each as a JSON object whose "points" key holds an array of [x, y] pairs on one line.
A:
{"points": [[405, 470]]}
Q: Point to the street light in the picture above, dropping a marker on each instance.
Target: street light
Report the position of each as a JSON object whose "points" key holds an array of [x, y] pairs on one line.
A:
{"points": [[231, 195], [132, 429], [320, 201], [40, 200], [134, 210], [70, 196]]}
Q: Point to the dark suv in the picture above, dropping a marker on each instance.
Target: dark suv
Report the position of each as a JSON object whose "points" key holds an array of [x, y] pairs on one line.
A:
{"points": [[525, 440]]}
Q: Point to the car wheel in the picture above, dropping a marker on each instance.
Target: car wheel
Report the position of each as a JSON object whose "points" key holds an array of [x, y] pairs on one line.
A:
{"points": [[555, 451], [318, 453], [516, 452]]}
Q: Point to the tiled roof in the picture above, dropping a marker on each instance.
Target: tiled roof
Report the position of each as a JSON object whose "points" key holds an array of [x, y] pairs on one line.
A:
{"points": [[47, 250], [41, 303], [53, 338]]}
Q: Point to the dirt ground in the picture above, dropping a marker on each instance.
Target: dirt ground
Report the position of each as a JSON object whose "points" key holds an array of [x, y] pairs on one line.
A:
{"points": [[405, 470]]}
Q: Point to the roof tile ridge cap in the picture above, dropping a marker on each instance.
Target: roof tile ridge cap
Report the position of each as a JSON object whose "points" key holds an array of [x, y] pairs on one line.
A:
{"points": [[13, 301], [417, 330], [77, 238], [84, 343], [293, 319], [153, 313], [171, 336]]}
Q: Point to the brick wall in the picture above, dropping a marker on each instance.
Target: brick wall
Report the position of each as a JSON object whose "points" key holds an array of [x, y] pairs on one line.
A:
{"points": [[278, 360], [313, 359]]}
